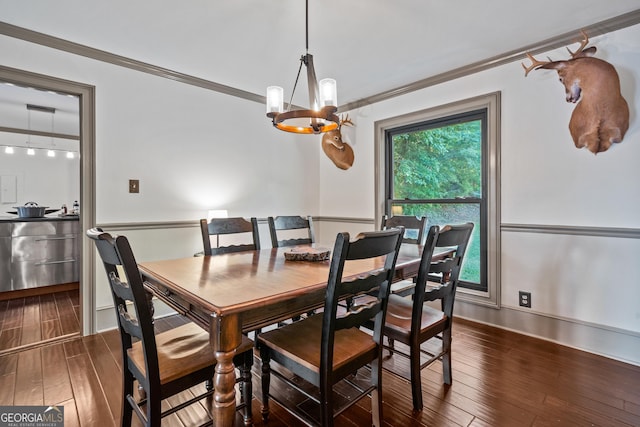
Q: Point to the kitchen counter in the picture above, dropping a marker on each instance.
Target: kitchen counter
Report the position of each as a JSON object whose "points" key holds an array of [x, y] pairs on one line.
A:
{"points": [[15, 218]]}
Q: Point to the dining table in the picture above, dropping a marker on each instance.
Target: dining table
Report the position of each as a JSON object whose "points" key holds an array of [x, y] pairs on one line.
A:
{"points": [[235, 293]]}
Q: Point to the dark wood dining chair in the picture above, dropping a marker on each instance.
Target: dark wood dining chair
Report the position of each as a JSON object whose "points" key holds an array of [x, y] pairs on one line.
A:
{"points": [[226, 226], [329, 347], [286, 223], [413, 226], [412, 322], [163, 364]]}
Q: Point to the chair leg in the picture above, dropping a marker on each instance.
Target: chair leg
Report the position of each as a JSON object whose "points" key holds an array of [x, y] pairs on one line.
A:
{"points": [[265, 358], [127, 410], [376, 393], [391, 343], [209, 384], [416, 385], [246, 387], [446, 357], [154, 410], [255, 337], [326, 404]]}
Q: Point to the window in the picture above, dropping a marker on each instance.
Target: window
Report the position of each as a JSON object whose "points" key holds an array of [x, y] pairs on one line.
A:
{"points": [[435, 169], [443, 163]]}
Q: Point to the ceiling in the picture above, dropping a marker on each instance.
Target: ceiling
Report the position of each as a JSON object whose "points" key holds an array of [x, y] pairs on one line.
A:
{"points": [[369, 46]]}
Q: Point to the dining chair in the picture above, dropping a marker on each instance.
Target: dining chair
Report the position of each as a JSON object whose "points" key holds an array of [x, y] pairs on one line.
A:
{"points": [[329, 347], [412, 322], [413, 226], [286, 223], [226, 226], [163, 364]]}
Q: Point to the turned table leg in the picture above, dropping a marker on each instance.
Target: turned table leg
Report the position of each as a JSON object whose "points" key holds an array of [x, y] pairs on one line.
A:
{"points": [[226, 336]]}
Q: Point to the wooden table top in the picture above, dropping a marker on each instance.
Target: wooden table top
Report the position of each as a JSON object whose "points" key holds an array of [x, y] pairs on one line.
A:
{"points": [[237, 282]]}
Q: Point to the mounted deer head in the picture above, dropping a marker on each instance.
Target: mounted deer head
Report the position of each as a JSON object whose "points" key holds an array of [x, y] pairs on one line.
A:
{"points": [[340, 153], [601, 116]]}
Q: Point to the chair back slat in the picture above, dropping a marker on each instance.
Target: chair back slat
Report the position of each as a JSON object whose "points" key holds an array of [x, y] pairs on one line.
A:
{"points": [[445, 265], [358, 315], [455, 236], [232, 248], [227, 226], [369, 284], [293, 242], [413, 225], [386, 244], [288, 223], [120, 288], [129, 324], [372, 244]]}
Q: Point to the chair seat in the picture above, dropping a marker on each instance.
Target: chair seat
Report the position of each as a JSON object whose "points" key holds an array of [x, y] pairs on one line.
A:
{"points": [[397, 324], [300, 342], [181, 350]]}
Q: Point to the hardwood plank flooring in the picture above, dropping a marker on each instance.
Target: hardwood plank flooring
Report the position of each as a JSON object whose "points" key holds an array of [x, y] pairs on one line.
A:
{"points": [[500, 378], [32, 319]]}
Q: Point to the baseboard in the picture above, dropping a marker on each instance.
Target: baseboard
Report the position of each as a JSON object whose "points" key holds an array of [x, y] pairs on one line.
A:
{"points": [[41, 290], [608, 342]]}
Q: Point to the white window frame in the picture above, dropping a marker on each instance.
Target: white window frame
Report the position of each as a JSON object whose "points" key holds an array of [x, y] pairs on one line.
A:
{"points": [[490, 102]]}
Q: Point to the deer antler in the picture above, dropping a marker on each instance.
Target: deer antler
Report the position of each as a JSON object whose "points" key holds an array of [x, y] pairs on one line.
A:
{"points": [[583, 44], [345, 121], [534, 64]]}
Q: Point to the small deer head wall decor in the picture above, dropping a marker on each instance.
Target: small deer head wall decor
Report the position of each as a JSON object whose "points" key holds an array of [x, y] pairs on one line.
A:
{"points": [[340, 153], [601, 115]]}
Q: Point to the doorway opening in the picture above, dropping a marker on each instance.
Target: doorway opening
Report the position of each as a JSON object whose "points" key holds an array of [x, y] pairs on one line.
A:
{"points": [[86, 174]]}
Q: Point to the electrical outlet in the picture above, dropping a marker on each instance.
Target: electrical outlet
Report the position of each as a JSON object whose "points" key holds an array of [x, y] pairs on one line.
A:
{"points": [[524, 299], [134, 186]]}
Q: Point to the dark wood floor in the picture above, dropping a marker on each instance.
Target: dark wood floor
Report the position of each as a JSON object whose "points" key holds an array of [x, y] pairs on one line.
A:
{"points": [[500, 379], [32, 319]]}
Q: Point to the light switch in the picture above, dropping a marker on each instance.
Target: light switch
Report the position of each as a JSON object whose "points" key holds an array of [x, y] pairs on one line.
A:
{"points": [[134, 186]]}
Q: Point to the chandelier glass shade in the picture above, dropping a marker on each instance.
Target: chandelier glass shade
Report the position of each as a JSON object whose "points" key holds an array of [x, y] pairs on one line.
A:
{"points": [[323, 100]]}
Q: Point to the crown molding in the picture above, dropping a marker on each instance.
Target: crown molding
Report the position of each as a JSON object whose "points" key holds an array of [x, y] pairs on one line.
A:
{"points": [[596, 29], [121, 61], [613, 24]]}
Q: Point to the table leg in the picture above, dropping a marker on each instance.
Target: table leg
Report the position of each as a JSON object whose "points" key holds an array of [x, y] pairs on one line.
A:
{"points": [[224, 407], [226, 336]]}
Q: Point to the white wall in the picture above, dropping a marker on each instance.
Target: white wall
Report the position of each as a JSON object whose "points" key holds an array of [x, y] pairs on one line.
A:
{"points": [[587, 280], [194, 149]]}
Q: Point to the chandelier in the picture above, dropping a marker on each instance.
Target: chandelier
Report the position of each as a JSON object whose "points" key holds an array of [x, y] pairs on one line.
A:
{"points": [[323, 100]]}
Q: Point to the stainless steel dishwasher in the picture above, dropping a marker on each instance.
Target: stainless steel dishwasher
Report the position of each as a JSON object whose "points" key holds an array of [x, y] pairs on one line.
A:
{"points": [[44, 253]]}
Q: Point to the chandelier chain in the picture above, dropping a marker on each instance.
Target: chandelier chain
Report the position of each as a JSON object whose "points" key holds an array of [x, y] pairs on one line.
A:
{"points": [[306, 24]]}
